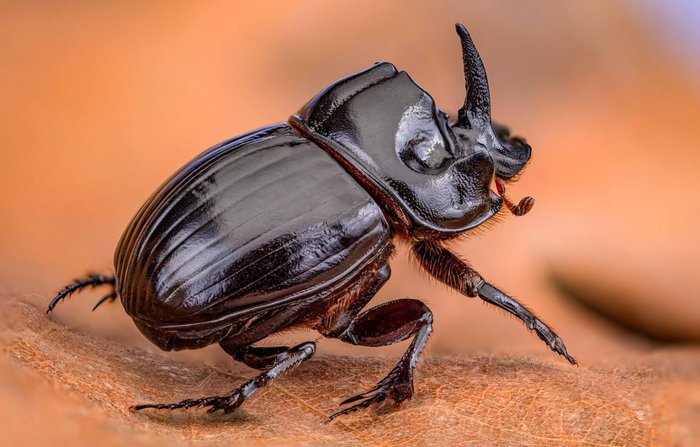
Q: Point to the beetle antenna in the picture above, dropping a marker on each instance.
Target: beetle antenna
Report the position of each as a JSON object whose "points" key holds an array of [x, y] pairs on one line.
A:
{"points": [[476, 111], [523, 207], [92, 280]]}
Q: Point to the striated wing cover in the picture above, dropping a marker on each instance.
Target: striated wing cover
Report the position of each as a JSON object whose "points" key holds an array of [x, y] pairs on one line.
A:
{"points": [[253, 223]]}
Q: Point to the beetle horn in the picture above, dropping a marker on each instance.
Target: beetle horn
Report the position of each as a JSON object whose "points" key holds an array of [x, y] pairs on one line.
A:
{"points": [[476, 111]]}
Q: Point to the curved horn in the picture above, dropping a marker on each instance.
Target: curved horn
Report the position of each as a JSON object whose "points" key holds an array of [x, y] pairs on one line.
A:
{"points": [[476, 111]]}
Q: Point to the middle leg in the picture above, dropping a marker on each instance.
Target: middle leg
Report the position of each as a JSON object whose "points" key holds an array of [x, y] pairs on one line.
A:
{"points": [[383, 325]]}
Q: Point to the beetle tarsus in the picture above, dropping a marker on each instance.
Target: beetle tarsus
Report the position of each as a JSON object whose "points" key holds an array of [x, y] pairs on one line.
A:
{"points": [[397, 386], [235, 399], [109, 297], [375, 399], [92, 280], [492, 295]]}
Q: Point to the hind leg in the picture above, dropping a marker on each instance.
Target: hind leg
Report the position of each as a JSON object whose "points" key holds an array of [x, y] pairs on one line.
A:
{"points": [[259, 357], [228, 403], [93, 280]]}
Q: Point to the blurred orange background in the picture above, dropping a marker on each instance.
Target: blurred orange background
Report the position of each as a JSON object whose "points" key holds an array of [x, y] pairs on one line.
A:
{"points": [[102, 101]]}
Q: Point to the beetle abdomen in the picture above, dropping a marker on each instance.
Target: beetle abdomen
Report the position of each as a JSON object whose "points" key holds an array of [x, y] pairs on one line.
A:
{"points": [[251, 224]]}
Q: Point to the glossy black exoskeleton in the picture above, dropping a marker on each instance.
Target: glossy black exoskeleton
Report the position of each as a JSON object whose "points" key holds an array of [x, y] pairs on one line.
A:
{"points": [[292, 226]]}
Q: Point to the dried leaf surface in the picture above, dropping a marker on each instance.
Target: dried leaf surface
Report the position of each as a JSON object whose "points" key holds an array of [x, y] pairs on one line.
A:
{"points": [[476, 401]]}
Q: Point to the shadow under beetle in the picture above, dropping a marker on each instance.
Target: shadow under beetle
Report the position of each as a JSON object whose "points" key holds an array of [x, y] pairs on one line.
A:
{"points": [[292, 226]]}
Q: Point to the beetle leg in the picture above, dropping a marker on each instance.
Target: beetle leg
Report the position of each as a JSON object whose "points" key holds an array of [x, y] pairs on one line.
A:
{"points": [[230, 402], [338, 318], [259, 357], [383, 325], [456, 273], [492, 295], [109, 297], [93, 280]]}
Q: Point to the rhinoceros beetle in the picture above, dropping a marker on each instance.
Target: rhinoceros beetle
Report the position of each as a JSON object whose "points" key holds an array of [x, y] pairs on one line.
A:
{"points": [[291, 226]]}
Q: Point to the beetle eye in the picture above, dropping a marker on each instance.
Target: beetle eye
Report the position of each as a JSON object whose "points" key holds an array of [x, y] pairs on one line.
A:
{"points": [[419, 142]]}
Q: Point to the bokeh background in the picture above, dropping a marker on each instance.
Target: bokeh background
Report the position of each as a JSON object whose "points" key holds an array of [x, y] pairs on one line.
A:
{"points": [[101, 101]]}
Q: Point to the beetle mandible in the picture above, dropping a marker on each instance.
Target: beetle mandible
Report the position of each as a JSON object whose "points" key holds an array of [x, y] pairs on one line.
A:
{"points": [[292, 226]]}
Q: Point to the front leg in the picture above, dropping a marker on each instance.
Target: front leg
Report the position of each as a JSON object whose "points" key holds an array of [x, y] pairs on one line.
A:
{"points": [[456, 273]]}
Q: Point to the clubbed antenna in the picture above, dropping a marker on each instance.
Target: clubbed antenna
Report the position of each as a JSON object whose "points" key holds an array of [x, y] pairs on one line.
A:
{"points": [[476, 111]]}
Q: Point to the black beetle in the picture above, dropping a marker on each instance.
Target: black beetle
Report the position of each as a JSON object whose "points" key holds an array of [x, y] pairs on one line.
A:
{"points": [[292, 226]]}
